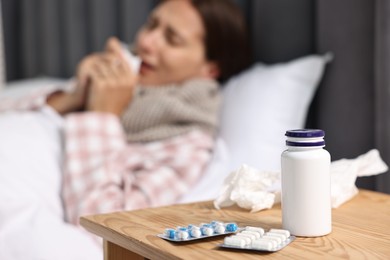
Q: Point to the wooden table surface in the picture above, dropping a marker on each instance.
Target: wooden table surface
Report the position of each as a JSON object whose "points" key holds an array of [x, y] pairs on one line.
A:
{"points": [[361, 230]]}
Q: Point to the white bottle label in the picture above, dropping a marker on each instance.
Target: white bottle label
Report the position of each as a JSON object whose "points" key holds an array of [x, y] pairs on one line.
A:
{"points": [[306, 200]]}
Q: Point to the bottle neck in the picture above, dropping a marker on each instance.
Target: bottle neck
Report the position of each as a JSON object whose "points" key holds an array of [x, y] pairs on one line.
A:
{"points": [[304, 148], [305, 142]]}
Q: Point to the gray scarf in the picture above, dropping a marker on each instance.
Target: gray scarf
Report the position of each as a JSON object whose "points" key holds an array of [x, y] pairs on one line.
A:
{"points": [[160, 112]]}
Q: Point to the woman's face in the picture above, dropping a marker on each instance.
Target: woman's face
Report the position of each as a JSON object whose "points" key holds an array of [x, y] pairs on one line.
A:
{"points": [[171, 45]]}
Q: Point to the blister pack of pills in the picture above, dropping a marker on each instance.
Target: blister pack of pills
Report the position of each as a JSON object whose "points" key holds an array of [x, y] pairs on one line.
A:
{"points": [[203, 230], [255, 238]]}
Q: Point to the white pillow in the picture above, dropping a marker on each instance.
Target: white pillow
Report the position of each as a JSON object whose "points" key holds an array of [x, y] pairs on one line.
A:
{"points": [[259, 105], [262, 103], [22, 87]]}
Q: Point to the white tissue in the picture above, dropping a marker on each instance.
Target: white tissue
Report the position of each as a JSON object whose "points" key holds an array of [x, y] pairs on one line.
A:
{"points": [[345, 171], [248, 186], [256, 190], [133, 60]]}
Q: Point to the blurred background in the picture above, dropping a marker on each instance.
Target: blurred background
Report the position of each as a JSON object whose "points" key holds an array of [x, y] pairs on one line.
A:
{"points": [[49, 38]]}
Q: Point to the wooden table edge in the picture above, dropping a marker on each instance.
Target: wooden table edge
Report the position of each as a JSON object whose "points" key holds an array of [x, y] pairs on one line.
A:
{"points": [[112, 239], [116, 241]]}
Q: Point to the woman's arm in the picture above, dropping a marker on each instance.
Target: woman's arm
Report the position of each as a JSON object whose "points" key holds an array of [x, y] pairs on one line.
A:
{"points": [[67, 102]]}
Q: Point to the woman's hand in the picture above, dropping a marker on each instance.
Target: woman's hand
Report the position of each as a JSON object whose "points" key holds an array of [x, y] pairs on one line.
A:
{"points": [[66, 102], [109, 78], [105, 83]]}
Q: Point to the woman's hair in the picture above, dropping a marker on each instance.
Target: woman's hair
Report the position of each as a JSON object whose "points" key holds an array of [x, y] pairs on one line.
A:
{"points": [[226, 40]]}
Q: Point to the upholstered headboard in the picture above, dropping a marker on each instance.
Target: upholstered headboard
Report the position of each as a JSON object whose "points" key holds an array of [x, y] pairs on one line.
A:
{"points": [[2, 57], [351, 105]]}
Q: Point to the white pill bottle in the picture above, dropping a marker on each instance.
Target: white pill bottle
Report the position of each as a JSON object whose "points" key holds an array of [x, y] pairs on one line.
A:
{"points": [[306, 201]]}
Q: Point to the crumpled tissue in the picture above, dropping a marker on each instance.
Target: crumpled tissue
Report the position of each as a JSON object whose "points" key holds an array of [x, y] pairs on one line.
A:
{"points": [[256, 190]]}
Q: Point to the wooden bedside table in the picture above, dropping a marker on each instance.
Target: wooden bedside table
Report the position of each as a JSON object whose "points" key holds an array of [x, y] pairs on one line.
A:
{"points": [[361, 230]]}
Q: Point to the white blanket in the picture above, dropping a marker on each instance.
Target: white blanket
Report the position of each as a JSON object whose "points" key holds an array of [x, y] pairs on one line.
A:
{"points": [[31, 214]]}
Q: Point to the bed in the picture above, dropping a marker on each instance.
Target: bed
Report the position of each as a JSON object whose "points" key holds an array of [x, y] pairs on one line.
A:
{"points": [[307, 72]]}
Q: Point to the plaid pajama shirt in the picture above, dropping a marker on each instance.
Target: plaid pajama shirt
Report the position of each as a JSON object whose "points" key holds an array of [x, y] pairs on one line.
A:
{"points": [[103, 172]]}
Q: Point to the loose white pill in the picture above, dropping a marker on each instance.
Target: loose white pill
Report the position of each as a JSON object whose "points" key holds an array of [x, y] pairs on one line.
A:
{"points": [[234, 241], [281, 231], [256, 229], [262, 244]]}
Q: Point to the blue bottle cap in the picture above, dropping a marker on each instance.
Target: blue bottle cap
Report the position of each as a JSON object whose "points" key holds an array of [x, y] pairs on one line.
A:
{"points": [[306, 144], [305, 133]]}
